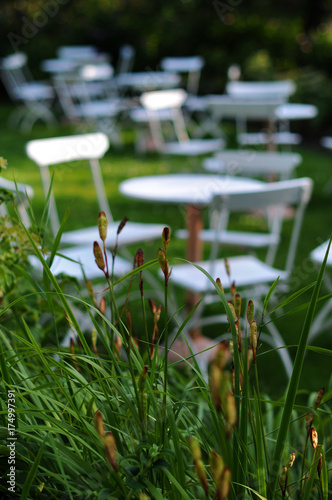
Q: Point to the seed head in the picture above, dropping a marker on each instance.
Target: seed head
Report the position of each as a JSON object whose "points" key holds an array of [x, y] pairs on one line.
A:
{"points": [[216, 464], [139, 258], [194, 448], [314, 437], [218, 282], [230, 411], [283, 477], [99, 423], [250, 311], [291, 460], [237, 305], [102, 305], [102, 226], [166, 237], [122, 225], [201, 474], [253, 338], [99, 257], [110, 447], [319, 397], [232, 309], [224, 484]]}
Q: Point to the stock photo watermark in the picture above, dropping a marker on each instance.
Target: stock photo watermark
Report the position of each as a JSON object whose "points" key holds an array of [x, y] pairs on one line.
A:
{"points": [[11, 475], [224, 9]]}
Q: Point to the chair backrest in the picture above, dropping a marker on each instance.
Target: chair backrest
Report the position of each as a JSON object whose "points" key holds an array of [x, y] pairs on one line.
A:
{"points": [[281, 89], [275, 196], [192, 66], [50, 152], [253, 163], [160, 100], [21, 194], [126, 59]]}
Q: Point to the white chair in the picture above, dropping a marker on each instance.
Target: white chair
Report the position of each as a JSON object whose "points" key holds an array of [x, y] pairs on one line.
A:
{"points": [[92, 147], [88, 98], [323, 319], [35, 98], [189, 66], [251, 163], [171, 101], [250, 274]]}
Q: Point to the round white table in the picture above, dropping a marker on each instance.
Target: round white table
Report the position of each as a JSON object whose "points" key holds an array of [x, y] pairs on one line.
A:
{"points": [[194, 191]]}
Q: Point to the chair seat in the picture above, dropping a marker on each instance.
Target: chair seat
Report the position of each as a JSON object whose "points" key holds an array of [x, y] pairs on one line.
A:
{"points": [[252, 139], [140, 115], [102, 108], [34, 91], [238, 238], [194, 147], [132, 233], [84, 256], [245, 271]]}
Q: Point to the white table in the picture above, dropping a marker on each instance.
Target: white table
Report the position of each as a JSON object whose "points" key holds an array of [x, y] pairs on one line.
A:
{"points": [[193, 191], [147, 80]]}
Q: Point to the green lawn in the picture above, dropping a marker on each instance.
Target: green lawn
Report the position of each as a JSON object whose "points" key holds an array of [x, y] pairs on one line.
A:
{"points": [[73, 189]]}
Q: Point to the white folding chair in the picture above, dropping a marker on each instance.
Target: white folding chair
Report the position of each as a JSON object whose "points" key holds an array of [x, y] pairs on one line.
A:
{"points": [[35, 98], [171, 101], [248, 163], [91, 147], [88, 97], [250, 274]]}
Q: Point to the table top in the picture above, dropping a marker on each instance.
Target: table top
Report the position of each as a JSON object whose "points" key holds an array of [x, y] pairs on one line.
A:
{"points": [[191, 189], [148, 80]]}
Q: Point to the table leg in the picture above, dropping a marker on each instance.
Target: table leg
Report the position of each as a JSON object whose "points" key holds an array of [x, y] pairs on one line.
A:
{"points": [[194, 254]]}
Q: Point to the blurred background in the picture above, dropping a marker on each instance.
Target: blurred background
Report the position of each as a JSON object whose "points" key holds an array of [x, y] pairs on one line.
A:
{"points": [[268, 40]]}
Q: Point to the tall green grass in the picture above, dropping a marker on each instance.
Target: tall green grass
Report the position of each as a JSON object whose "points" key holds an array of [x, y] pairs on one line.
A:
{"points": [[110, 418]]}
